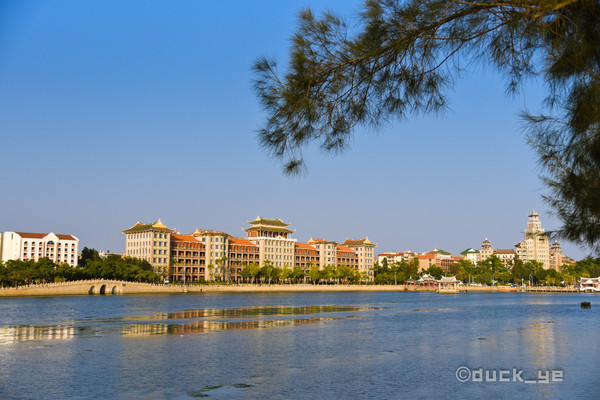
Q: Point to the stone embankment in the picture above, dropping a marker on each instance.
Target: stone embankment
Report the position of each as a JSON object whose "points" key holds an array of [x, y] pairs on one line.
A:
{"points": [[108, 287]]}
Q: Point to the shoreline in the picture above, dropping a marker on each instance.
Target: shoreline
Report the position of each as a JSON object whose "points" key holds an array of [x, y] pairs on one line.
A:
{"points": [[110, 287]]}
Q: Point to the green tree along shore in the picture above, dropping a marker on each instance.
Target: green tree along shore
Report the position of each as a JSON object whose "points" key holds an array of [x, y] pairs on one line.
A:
{"points": [[491, 271], [91, 266], [253, 273]]}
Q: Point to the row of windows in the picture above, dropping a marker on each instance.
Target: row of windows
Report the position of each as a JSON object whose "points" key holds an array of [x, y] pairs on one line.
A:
{"points": [[148, 235], [277, 257], [279, 243], [50, 243], [277, 250]]}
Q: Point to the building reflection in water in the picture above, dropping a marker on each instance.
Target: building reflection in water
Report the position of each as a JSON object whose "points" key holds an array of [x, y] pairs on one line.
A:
{"points": [[257, 311], [210, 321], [542, 342], [12, 334], [214, 326]]}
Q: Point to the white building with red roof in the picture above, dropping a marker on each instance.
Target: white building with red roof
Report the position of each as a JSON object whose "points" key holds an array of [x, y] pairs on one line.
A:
{"points": [[33, 246]]}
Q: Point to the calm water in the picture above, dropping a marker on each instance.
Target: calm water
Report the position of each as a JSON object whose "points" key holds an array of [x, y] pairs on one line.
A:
{"points": [[300, 346]]}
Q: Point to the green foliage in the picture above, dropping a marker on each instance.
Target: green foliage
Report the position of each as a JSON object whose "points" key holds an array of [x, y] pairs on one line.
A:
{"points": [[403, 59], [251, 272], [314, 274], [435, 271], [17, 272]]}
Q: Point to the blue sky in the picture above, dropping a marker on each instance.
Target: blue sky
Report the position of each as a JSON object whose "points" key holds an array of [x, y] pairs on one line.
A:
{"points": [[118, 111]]}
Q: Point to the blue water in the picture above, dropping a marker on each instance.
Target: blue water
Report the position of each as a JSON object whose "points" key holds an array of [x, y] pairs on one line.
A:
{"points": [[300, 346]]}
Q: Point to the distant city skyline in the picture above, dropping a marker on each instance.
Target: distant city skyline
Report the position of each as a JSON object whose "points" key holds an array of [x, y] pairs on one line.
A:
{"points": [[113, 112]]}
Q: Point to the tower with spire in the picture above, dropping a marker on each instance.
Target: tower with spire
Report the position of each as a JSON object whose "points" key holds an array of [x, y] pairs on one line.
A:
{"points": [[535, 245]]}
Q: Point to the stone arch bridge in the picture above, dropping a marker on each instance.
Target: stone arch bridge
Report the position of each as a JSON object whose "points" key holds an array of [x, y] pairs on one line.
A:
{"points": [[90, 287]]}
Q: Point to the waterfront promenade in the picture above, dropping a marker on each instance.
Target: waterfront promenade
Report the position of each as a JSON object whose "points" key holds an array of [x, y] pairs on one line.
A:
{"points": [[113, 287]]}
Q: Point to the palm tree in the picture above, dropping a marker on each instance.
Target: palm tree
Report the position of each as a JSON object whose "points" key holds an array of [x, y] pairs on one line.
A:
{"points": [[211, 269], [221, 262]]}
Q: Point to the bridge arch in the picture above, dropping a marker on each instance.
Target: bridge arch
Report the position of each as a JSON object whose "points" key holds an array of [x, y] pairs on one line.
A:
{"points": [[102, 289], [91, 291]]}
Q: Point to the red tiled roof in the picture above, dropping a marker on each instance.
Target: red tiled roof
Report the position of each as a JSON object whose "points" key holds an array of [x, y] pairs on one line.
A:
{"points": [[234, 240], [30, 235], [423, 256], [304, 246], [360, 242], [175, 237], [505, 251], [344, 248]]}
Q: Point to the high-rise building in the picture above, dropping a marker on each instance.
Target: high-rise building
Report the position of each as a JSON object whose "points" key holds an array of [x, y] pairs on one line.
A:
{"points": [[535, 245], [150, 242]]}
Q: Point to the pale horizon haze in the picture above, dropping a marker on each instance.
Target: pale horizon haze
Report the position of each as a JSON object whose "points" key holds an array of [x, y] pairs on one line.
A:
{"points": [[117, 111]]}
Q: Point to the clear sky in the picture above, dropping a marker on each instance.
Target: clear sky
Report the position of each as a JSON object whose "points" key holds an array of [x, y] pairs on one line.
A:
{"points": [[116, 111]]}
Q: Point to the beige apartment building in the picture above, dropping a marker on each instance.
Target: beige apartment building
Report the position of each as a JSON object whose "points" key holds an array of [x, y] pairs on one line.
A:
{"points": [[327, 251], [208, 255], [150, 242], [365, 251], [273, 240], [216, 252]]}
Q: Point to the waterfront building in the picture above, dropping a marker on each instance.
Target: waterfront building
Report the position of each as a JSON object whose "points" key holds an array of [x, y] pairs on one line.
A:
{"points": [[439, 258], [535, 245], [471, 254], [426, 280], [426, 261], [273, 240], [557, 258], [242, 252], [33, 246], [305, 256], [486, 250], [327, 251], [365, 251], [507, 256], [346, 256], [209, 255], [589, 284], [444, 259], [188, 259], [216, 252], [448, 284], [150, 242], [396, 257]]}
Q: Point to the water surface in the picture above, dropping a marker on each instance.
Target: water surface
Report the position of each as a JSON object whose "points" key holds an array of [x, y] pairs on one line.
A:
{"points": [[361, 345]]}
